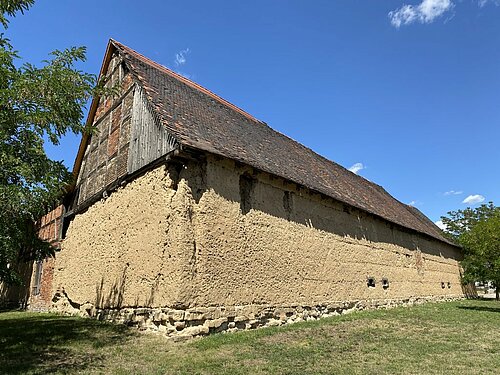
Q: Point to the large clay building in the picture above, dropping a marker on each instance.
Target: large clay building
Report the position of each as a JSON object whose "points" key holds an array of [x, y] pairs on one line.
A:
{"points": [[188, 215]]}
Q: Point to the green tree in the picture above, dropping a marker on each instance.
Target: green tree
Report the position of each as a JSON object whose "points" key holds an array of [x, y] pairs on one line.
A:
{"points": [[10, 7], [459, 222], [482, 259], [36, 103], [478, 231]]}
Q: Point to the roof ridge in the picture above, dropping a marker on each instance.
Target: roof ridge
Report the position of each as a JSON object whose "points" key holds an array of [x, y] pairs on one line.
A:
{"points": [[185, 80], [327, 175], [232, 106]]}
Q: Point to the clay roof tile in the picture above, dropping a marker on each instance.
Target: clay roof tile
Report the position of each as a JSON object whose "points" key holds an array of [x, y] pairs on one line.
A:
{"points": [[201, 119]]}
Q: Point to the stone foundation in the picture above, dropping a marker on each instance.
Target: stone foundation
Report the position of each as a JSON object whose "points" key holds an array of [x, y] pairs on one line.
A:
{"points": [[184, 324]]}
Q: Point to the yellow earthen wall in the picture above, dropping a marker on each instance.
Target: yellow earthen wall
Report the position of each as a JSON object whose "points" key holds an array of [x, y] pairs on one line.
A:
{"points": [[156, 242], [120, 251], [314, 254]]}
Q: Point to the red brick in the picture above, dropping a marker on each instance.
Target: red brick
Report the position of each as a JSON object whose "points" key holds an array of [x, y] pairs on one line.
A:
{"points": [[116, 118], [43, 300], [113, 140], [127, 82]]}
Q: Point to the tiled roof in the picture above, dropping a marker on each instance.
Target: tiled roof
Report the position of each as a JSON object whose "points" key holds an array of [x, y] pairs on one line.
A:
{"points": [[200, 119]]}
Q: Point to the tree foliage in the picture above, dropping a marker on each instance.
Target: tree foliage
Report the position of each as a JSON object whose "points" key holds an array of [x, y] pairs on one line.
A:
{"points": [[478, 231], [459, 222], [37, 103], [10, 7]]}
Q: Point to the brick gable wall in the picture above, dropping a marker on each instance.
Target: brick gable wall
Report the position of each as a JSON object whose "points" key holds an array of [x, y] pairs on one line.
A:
{"points": [[49, 229]]}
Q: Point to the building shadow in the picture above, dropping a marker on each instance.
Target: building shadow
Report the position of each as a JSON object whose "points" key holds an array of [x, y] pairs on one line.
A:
{"points": [[112, 298], [260, 192], [16, 296], [482, 308], [48, 343]]}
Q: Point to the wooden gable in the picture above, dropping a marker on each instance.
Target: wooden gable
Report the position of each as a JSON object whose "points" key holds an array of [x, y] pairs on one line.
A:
{"points": [[127, 135]]}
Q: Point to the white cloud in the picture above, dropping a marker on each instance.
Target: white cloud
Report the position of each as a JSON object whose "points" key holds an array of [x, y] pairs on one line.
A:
{"points": [[180, 57], [473, 199], [357, 167], [482, 3], [441, 225], [453, 192], [415, 203], [425, 12], [185, 75]]}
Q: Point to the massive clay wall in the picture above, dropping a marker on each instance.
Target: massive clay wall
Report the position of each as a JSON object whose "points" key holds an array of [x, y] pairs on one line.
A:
{"points": [[262, 240], [213, 233], [127, 250]]}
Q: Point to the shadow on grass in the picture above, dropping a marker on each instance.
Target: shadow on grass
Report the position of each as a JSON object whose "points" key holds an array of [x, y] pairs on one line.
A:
{"points": [[8, 308], [482, 308], [43, 343]]}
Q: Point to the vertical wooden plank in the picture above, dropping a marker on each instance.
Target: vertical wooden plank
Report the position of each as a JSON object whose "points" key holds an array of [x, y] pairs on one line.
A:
{"points": [[149, 140]]}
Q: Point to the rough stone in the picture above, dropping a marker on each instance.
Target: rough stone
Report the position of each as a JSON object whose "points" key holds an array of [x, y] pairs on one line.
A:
{"points": [[274, 322], [196, 330], [181, 338], [215, 323], [88, 309], [175, 315], [240, 318], [179, 325], [198, 314], [144, 319], [162, 328]]}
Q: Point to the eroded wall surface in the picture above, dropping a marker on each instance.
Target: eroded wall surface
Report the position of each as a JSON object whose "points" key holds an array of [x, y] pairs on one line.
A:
{"points": [[286, 246], [127, 250], [201, 235]]}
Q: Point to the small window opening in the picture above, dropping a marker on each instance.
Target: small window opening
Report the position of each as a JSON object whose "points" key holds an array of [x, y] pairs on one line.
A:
{"points": [[247, 185], [124, 69], [370, 282], [442, 284], [65, 226], [174, 172], [385, 283], [38, 278], [449, 285], [287, 204]]}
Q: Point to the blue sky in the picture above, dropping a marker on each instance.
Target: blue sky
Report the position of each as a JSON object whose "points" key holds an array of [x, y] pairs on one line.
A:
{"points": [[408, 89]]}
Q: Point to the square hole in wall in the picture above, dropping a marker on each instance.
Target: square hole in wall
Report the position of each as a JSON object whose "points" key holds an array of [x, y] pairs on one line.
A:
{"points": [[385, 283], [370, 282]]}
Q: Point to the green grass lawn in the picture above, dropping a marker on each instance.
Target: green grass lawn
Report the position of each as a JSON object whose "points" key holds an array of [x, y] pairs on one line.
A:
{"points": [[436, 338]]}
